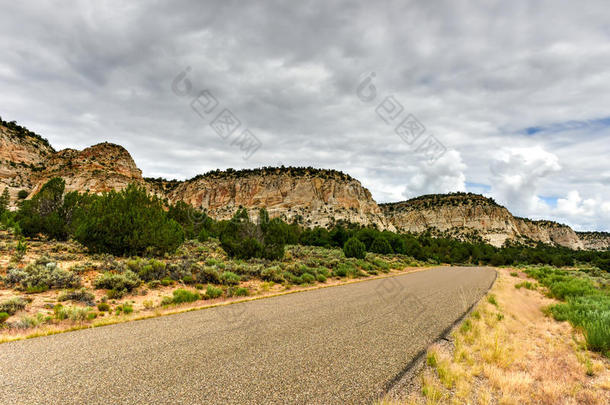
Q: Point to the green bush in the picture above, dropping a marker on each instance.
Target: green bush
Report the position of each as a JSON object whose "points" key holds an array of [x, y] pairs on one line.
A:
{"points": [[340, 271], [167, 282], [203, 236], [273, 273], [128, 222], [148, 270], [126, 281], [321, 278], [354, 248], [3, 317], [40, 277], [307, 278], [241, 292], [81, 295], [12, 305], [381, 245], [180, 296], [23, 194], [572, 288], [213, 292], [230, 278], [208, 275], [75, 314], [103, 307]]}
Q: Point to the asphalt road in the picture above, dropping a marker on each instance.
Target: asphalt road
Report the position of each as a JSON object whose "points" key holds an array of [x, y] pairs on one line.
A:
{"points": [[342, 344]]}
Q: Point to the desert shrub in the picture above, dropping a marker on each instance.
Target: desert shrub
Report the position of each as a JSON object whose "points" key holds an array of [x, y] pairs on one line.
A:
{"points": [[380, 264], [26, 322], [103, 307], [12, 305], [213, 292], [23, 194], [81, 295], [321, 278], [126, 281], [39, 277], [128, 222], [526, 284], [115, 294], [340, 271], [208, 275], [148, 270], [273, 273], [180, 296], [238, 292], [230, 278], [323, 271], [188, 279], [75, 314], [348, 270], [354, 248], [3, 317], [167, 282], [307, 278]]}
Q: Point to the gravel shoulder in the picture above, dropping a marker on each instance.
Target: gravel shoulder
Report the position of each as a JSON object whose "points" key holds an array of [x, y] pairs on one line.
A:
{"points": [[343, 344]]}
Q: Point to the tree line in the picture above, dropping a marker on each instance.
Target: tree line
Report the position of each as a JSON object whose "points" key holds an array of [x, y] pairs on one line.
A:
{"points": [[131, 222]]}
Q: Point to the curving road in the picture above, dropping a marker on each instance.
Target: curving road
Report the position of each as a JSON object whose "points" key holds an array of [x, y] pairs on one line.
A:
{"points": [[342, 344]]}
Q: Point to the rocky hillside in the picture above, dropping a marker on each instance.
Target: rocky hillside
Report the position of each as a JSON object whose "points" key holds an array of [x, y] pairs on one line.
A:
{"points": [[99, 168], [311, 196], [595, 240], [471, 216], [23, 155]]}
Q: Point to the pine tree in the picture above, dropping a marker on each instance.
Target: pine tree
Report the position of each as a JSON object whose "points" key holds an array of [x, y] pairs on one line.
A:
{"points": [[5, 199]]}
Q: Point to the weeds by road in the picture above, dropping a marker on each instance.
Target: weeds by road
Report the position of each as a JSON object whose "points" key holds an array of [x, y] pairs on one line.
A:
{"points": [[510, 351]]}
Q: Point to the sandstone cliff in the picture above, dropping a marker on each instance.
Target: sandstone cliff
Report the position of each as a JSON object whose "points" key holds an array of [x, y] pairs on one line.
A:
{"points": [[23, 155], [471, 216], [99, 168], [595, 240], [313, 197]]}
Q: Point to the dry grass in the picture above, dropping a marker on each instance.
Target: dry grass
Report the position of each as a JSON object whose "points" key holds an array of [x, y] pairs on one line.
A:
{"points": [[511, 353]]}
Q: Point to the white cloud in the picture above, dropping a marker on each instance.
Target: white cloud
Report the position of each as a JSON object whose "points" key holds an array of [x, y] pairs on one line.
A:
{"points": [[517, 174], [443, 176]]}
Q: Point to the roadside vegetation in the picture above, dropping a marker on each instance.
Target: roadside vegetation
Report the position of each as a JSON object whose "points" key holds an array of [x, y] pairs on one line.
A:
{"points": [[126, 253], [511, 350], [60, 285]]}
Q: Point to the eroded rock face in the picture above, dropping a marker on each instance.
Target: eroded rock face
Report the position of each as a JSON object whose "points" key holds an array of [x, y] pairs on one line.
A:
{"points": [[99, 168], [22, 157], [313, 197], [595, 240], [467, 215]]}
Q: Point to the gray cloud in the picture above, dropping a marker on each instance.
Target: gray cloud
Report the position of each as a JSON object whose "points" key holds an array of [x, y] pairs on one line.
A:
{"points": [[477, 74]]}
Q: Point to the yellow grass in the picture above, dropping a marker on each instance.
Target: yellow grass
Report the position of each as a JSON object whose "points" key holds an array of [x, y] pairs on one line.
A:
{"points": [[513, 354]]}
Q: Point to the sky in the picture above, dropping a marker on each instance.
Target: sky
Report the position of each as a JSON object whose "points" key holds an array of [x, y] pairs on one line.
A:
{"points": [[507, 99]]}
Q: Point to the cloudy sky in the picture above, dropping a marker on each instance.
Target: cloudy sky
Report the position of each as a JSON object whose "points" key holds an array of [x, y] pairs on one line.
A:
{"points": [[517, 92]]}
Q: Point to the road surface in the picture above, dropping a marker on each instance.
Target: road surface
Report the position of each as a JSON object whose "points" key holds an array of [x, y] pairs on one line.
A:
{"points": [[343, 344]]}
